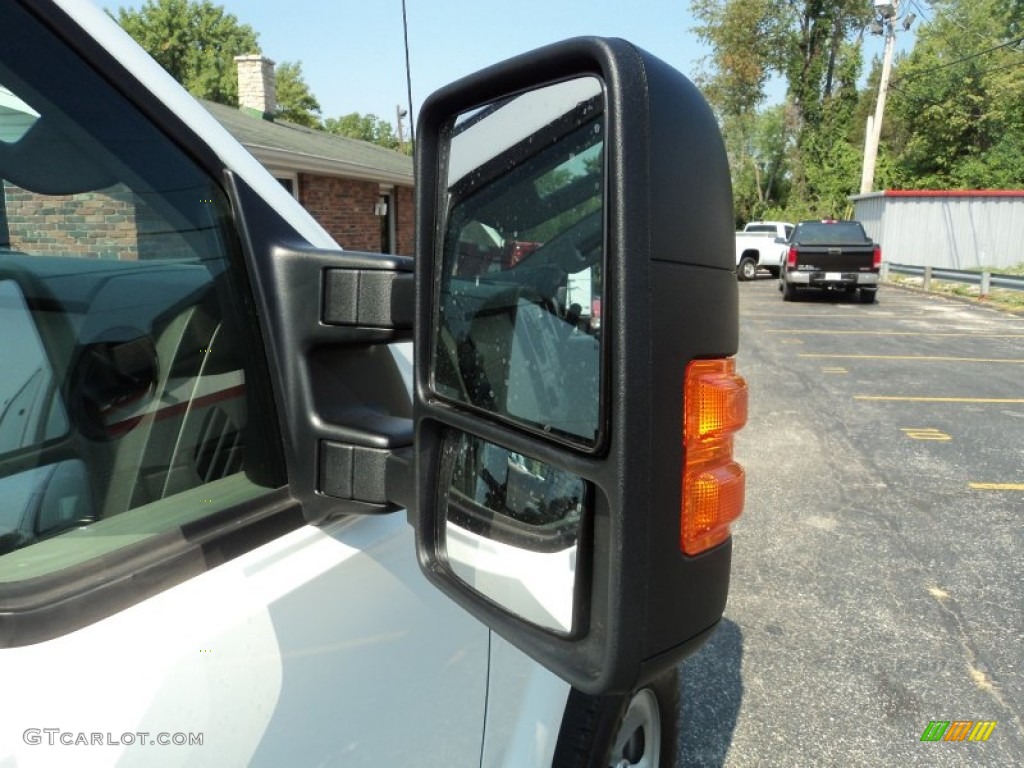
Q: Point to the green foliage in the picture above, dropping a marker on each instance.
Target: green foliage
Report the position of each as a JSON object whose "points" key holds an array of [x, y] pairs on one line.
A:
{"points": [[792, 155], [740, 34], [365, 128], [295, 102], [195, 41], [957, 103], [757, 146], [954, 116]]}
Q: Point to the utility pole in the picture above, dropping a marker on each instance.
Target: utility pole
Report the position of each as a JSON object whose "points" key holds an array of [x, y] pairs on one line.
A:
{"points": [[399, 114], [885, 23]]}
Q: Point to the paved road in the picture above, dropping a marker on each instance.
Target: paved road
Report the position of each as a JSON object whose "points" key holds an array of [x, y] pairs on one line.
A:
{"points": [[878, 569]]}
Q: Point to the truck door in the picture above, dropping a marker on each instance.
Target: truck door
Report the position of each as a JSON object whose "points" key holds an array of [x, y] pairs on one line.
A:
{"points": [[162, 599]]}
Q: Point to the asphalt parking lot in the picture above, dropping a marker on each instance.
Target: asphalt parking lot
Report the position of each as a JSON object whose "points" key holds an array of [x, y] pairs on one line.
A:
{"points": [[878, 568]]}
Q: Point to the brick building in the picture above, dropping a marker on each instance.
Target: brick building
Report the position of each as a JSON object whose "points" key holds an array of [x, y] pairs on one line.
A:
{"points": [[361, 193]]}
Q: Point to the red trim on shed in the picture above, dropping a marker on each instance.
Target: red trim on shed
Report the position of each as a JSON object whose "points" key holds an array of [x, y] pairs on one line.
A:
{"points": [[954, 193]]}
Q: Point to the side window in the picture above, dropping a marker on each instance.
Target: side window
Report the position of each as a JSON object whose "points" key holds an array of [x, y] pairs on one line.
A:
{"points": [[128, 393]]}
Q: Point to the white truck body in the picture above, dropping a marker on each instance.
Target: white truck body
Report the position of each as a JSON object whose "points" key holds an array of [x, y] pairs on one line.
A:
{"points": [[757, 248], [324, 646]]}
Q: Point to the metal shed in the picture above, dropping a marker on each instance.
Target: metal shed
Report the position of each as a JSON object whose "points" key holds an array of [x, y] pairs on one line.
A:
{"points": [[946, 229]]}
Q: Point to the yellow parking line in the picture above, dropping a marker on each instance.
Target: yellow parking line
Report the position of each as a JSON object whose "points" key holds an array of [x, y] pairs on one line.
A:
{"points": [[996, 486], [1005, 400], [926, 433], [821, 314], [920, 358], [943, 334]]}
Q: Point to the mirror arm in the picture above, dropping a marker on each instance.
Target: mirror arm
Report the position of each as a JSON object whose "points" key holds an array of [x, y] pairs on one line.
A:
{"points": [[400, 480], [328, 318], [370, 298], [360, 466]]}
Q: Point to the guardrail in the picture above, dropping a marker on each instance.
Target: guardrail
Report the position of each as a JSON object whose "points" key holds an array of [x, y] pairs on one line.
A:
{"points": [[986, 280]]}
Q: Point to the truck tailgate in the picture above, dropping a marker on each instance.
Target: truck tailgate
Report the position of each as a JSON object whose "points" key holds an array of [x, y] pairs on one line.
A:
{"points": [[847, 258]]}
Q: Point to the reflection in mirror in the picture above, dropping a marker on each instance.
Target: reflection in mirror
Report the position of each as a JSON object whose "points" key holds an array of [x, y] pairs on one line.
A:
{"points": [[518, 323], [43, 502], [112, 381], [512, 527], [31, 410], [16, 117]]}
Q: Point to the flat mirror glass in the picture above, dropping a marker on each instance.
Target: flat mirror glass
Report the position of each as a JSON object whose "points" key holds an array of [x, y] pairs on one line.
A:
{"points": [[512, 528], [517, 328]]}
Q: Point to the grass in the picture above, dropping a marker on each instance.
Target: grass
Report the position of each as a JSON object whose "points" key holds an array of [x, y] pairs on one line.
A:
{"points": [[1001, 298], [1016, 269]]}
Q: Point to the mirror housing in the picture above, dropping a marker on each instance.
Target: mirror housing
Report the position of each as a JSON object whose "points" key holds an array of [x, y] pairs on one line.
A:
{"points": [[119, 371], [669, 298]]}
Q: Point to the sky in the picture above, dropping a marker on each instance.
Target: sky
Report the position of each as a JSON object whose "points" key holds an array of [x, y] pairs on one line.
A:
{"points": [[353, 57]]}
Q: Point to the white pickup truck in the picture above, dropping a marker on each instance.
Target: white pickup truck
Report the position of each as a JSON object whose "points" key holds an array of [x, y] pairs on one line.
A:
{"points": [[757, 248]]}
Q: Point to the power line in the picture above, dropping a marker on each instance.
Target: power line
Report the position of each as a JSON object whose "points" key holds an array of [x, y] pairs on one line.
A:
{"points": [[948, 64], [931, 102], [940, 14]]}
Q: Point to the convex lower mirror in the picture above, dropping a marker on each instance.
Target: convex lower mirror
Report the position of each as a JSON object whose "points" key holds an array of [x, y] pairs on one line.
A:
{"points": [[512, 529]]}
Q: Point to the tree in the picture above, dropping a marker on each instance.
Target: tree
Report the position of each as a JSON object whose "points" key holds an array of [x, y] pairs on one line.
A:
{"points": [[956, 115], [363, 127], [195, 41], [295, 102], [791, 157]]}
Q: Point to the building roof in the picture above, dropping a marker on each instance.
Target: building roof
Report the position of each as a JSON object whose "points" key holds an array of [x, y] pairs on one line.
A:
{"points": [[290, 147], [940, 193]]}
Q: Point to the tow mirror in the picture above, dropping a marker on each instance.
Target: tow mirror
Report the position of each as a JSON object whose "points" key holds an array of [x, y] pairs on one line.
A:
{"points": [[574, 401], [112, 380]]}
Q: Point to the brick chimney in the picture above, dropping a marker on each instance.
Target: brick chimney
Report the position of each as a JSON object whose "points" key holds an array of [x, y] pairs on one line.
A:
{"points": [[257, 85]]}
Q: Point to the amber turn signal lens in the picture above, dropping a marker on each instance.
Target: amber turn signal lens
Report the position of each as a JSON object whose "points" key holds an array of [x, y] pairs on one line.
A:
{"points": [[715, 408]]}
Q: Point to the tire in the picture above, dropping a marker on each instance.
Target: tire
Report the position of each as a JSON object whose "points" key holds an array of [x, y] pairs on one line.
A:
{"points": [[867, 296], [747, 269], [641, 729], [788, 291]]}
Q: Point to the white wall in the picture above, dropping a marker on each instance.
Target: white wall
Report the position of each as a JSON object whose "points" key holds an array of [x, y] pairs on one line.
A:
{"points": [[952, 230]]}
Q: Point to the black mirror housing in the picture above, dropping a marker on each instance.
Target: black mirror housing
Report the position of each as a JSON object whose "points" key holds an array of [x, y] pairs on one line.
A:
{"points": [[669, 298]]}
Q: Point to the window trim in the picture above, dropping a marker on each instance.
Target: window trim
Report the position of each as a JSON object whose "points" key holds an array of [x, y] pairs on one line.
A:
{"points": [[291, 177], [47, 607]]}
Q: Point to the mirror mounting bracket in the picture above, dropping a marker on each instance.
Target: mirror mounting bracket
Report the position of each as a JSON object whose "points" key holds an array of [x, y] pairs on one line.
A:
{"points": [[332, 318]]}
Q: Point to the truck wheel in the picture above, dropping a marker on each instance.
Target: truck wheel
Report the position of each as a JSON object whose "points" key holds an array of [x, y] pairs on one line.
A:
{"points": [[747, 270], [867, 295], [641, 729], [788, 292]]}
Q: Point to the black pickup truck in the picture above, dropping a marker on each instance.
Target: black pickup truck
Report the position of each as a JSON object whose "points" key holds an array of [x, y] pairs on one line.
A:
{"points": [[833, 255]]}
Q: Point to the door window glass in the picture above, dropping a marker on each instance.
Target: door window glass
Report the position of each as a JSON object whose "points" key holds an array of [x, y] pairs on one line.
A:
{"points": [[128, 397]]}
